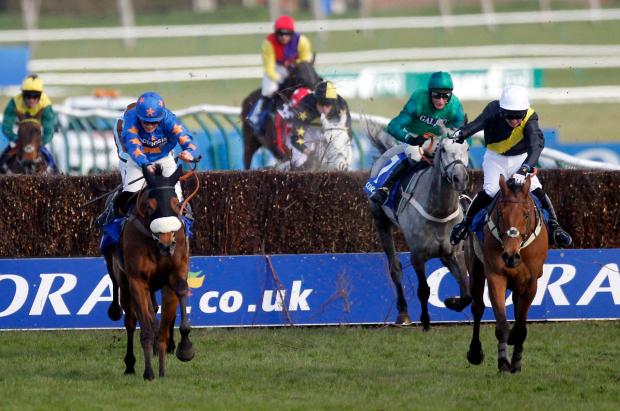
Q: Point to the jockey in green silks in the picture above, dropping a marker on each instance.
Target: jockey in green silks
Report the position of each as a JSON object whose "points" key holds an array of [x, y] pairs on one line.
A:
{"points": [[427, 114]]}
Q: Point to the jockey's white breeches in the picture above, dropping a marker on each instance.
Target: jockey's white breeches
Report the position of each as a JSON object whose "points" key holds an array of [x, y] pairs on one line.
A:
{"points": [[270, 86], [130, 171], [335, 151], [494, 165]]}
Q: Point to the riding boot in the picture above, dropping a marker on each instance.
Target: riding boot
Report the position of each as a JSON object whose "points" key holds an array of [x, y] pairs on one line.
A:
{"points": [[121, 203], [557, 235], [381, 194], [3, 159], [107, 215], [460, 231]]}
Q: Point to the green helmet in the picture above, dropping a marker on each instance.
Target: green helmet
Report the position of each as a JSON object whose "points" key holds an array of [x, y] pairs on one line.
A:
{"points": [[440, 80]]}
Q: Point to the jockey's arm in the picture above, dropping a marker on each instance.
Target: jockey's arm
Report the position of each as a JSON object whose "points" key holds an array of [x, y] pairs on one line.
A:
{"points": [[47, 121], [458, 119], [479, 122], [180, 134], [8, 121], [269, 61], [132, 142], [304, 49], [397, 127], [535, 141]]}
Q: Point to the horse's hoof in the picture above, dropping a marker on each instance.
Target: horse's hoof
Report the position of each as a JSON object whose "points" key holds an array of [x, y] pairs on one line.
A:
{"points": [[426, 322], [515, 368], [148, 375], [185, 352], [170, 348], [503, 365], [475, 357], [403, 319], [457, 303], [130, 371], [114, 312]]}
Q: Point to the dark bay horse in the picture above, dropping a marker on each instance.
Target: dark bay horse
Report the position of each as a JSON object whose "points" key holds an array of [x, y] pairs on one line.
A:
{"points": [[511, 257], [301, 74], [425, 215], [26, 157], [153, 254]]}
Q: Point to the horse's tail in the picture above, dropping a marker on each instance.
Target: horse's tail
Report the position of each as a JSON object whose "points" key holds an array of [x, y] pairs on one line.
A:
{"points": [[377, 135]]}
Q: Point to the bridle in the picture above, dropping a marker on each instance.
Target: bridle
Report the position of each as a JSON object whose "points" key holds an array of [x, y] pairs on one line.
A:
{"points": [[495, 227], [445, 169]]}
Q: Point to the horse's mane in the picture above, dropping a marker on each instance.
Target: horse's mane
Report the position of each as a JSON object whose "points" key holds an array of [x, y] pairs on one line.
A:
{"points": [[377, 136]]}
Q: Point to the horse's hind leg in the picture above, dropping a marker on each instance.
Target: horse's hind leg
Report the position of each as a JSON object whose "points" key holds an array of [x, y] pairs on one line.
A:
{"points": [[497, 293], [456, 265], [130, 327], [384, 229], [475, 355], [114, 310], [518, 334], [185, 350], [424, 291]]}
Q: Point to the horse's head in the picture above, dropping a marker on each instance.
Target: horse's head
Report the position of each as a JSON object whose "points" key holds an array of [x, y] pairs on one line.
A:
{"points": [[29, 143], [302, 74], [515, 219], [161, 208], [452, 159]]}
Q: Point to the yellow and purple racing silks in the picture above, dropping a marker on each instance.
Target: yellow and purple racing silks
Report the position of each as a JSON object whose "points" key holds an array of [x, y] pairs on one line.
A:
{"points": [[145, 148]]}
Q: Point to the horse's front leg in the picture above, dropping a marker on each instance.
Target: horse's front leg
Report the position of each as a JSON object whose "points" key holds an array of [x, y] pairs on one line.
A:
{"points": [[497, 294], [384, 230], [424, 291], [456, 265], [144, 313], [130, 327], [185, 350], [168, 313], [518, 333], [475, 355]]}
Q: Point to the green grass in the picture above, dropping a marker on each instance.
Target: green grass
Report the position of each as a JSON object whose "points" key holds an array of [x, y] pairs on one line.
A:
{"points": [[316, 368]]}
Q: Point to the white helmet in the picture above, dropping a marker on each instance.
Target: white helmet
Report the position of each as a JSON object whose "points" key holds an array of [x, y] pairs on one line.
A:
{"points": [[514, 98]]}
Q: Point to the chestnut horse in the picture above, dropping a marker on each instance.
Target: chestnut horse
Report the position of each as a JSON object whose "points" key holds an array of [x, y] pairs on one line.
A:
{"points": [[26, 157], [511, 256], [301, 74], [153, 254]]}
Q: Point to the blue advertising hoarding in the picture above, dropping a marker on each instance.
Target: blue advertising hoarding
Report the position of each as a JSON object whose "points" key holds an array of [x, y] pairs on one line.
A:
{"points": [[311, 289]]}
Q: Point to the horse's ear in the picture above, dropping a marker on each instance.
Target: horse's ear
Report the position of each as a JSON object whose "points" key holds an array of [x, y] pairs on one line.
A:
{"points": [[313, 58], [148, 176], [528, 183], [502, 184]]}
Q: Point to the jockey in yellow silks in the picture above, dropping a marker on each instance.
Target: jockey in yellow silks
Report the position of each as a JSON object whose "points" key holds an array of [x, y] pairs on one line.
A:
{"points": [[31, 103], [280, 49]]}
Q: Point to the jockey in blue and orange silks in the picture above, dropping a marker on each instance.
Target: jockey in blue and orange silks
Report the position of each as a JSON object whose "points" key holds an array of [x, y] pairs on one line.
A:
{"points": [[150, 132], [280, 49]]}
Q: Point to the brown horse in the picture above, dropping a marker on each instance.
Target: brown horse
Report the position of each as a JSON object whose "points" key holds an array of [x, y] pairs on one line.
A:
{"points": [[26, 157], [153, 254], [301, 74], [510, 257]]}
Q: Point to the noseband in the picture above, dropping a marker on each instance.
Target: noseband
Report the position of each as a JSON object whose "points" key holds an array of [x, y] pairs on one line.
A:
{"points": [[512, 232]]}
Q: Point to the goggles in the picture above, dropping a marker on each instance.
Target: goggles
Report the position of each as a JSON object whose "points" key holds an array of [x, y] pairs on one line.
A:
{"points": [[284, 33], [31, 95], [514, 115], [151, 123], [438, 94]]}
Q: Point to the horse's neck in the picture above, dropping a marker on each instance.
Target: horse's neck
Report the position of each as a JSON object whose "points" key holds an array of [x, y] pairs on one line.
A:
{"points": [[438, 194]]}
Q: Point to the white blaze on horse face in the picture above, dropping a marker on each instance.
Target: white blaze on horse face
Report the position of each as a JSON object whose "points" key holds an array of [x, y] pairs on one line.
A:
{"points": [[165, 225]]}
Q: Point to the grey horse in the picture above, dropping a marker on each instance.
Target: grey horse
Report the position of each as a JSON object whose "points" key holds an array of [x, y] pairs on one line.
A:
{"points": [[428, 210]]}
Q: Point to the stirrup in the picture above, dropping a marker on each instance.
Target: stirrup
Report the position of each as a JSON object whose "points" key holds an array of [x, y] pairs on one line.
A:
{"points": [[459, 233], [380, 195], [562, 238]]}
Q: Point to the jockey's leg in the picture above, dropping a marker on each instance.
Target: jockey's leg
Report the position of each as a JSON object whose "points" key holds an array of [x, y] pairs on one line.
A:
{"points": [[255, 117], [4, 157], [382, 193], [49, 158], [459, 231], [558, 235]]}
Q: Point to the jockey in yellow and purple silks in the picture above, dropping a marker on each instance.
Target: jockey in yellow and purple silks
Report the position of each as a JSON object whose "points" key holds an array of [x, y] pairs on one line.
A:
{"points": [[149, 135], [31, 103], [280, 49]]}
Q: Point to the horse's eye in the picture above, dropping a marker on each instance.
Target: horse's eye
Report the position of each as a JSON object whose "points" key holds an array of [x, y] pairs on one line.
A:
{"points": [[151, 205]]}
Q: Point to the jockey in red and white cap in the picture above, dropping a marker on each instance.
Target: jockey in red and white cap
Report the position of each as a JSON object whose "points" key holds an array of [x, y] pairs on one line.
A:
{"points": [[279, 49]]}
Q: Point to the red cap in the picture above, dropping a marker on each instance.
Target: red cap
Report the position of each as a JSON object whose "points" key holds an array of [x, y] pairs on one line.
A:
{"points": [[284, 23]]}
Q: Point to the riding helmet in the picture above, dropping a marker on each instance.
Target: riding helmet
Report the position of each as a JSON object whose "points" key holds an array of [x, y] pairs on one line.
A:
{"points": [[325, 92], [32, 83], [440, 80], [514, 98], [150, 107], [284, 23]]}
